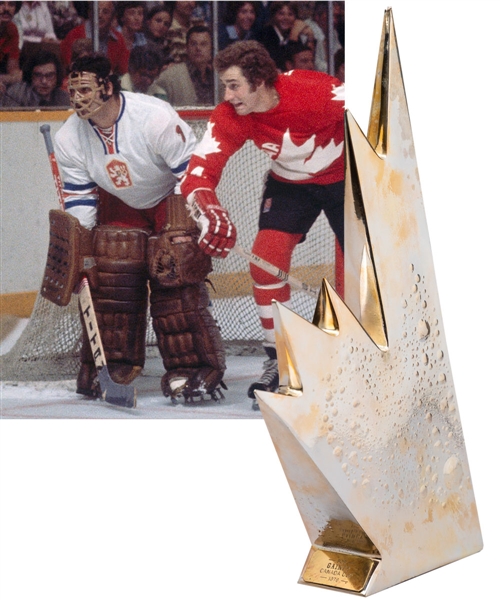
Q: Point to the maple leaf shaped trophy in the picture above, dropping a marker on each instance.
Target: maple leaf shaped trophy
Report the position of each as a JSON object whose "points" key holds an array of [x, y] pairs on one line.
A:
{"points": [[366, 423]]}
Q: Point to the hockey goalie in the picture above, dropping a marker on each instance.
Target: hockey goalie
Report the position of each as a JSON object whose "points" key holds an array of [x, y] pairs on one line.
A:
{"points": [[126, 228]]}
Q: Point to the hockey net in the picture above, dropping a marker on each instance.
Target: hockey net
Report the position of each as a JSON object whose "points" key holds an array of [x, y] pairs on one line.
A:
{"points": [[48, 348]]}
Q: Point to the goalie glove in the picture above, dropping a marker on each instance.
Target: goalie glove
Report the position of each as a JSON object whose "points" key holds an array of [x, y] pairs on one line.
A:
{"points": [[218, 233]]}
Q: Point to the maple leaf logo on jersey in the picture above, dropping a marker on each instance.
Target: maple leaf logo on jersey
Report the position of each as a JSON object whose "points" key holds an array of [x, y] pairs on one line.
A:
{"points": [[208, 144], [295, 162], [119, 174]]}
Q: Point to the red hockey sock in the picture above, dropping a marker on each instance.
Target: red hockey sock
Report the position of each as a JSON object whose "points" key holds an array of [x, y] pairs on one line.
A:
{"points": [[275, 247]]}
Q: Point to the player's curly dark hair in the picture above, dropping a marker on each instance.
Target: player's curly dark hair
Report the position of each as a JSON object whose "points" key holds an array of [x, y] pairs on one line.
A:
{"points": [[252, 58], [99, 65]]}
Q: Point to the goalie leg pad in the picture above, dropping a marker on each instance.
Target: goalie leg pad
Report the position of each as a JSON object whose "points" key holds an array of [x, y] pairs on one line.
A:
{"points": [[68, 256], [120, 298], [189, 340], [174, 257]]}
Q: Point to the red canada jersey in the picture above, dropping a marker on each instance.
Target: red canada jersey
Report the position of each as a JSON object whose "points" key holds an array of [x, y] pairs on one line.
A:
{"points": [[303, 134]]}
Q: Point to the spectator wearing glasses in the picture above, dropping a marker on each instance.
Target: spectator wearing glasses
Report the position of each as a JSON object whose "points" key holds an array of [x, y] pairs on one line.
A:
{"points": [[41, 84]]}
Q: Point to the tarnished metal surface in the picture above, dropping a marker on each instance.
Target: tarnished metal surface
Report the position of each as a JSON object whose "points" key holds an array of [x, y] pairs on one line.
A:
{"points": [[366, 423]]}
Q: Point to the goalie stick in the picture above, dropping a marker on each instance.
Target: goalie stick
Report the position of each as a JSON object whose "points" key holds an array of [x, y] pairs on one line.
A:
{"points": [[112, 392]]}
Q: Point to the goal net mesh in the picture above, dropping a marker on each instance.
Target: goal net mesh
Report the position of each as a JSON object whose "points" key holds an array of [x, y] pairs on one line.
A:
{"points": [[48, 348]]}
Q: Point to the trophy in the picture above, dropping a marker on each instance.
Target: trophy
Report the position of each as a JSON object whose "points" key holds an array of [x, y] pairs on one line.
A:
{"points": [[366, 422]]}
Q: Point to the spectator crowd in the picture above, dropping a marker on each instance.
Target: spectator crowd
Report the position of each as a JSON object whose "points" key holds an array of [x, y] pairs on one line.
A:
{"points": [[163, 49]]}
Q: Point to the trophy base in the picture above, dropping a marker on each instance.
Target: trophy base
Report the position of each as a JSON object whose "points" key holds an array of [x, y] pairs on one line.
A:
{"points": [[338, 570]]}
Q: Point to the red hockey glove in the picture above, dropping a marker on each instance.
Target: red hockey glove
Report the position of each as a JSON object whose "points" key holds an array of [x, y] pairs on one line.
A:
{"points": [[218, 233]]}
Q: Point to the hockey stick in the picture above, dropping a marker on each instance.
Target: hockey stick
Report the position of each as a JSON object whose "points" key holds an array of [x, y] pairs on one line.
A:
{"points": [[112, 393], [273, 270], [268, 267]]}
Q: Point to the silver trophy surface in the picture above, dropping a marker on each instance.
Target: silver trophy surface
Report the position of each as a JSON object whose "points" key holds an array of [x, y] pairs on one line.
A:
{"points": [[366, 422]]}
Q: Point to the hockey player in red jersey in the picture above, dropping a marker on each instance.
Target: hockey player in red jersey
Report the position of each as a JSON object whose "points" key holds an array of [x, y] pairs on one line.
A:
{"points": [[297, 118]]}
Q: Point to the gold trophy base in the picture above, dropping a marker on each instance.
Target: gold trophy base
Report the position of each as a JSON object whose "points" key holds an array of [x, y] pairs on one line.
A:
{"points": [[338, 570]]}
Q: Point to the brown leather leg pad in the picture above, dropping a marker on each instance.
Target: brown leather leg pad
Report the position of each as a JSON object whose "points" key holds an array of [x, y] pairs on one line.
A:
{"points": [[189, 339]]}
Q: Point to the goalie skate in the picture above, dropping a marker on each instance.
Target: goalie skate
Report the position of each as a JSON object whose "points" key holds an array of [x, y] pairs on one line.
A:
{"points": [[190, 391], [216, 395]]}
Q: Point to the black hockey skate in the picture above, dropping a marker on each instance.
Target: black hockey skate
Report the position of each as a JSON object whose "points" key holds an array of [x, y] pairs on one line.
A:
{"points": [[269, 380]]}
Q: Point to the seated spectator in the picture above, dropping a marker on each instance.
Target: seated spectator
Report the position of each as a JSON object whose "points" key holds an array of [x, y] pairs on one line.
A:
{"points": [[111, 41], [144, 67], [41, 85], [130, 17], [284, 26], [158, 21], [238, 23], [299, 56], [191, 83], [65, 17], [182, 21], [9, 46], [34, 23]]}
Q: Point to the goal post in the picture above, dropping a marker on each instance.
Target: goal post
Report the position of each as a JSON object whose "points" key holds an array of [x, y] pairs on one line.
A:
{"points": [[49, 347]]}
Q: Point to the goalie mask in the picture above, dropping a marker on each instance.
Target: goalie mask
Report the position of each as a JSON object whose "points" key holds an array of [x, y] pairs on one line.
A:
{"points": [[88, 93]]}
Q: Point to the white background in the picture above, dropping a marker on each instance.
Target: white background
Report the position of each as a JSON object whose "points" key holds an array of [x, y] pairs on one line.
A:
{"points": [[195, 509]]}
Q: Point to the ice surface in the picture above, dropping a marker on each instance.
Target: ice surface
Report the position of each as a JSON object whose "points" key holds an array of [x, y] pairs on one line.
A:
{"points": [[58, 399]]}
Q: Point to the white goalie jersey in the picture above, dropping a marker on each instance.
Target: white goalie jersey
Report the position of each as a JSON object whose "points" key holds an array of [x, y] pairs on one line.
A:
{"points": [[140, 159]]}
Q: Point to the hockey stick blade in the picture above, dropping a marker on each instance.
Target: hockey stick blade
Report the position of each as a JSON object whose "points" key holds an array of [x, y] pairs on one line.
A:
{"points": [[116, 393]]}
